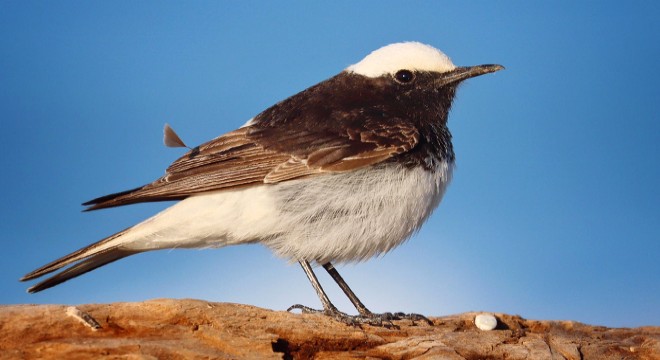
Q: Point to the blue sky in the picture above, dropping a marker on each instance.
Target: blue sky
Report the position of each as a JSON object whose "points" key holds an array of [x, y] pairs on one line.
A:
{"points": [[553, 212]]}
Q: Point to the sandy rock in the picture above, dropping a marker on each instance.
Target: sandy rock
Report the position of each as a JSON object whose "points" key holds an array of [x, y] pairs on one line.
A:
{"points": [[194, 329]]}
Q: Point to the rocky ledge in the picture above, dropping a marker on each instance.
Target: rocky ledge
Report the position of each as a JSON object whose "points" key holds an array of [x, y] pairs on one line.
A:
{"points": [[194, 329]]}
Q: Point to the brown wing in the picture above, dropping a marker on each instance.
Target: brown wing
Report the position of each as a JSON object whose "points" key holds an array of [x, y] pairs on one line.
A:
{"points": [[252, 155], [230, 160], [345, 148]]}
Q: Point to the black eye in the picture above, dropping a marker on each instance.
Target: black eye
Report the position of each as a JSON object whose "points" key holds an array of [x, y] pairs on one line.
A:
{"points": [[404, 76]]}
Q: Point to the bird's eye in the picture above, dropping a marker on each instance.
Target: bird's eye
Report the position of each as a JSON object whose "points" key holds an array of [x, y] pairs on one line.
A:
{"points": [[404, 76]]}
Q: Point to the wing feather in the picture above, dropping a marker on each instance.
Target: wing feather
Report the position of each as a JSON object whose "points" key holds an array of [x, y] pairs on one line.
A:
{"points": [[256, 155]]}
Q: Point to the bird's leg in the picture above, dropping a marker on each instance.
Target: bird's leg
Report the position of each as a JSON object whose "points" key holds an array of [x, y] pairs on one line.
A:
{"points": [[365, 317], [328, 308], [364, 312], [347, 290], [325, 300]]}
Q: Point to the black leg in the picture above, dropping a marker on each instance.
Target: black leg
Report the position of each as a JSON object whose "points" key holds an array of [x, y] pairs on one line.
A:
{"points": [[364, 312], [325, 300], [365, 317], [347, 290], [328, 308]]}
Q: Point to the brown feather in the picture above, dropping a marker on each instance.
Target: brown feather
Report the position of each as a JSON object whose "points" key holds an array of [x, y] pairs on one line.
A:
{"points": [[291, 169], [171, 139]]}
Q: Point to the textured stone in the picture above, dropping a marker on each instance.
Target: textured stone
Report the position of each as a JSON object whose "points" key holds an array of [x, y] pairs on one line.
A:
{"points": [[194, 329]]}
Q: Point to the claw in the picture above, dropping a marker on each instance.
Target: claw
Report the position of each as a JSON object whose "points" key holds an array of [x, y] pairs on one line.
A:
{"points": [[304, 309], [411, 316], [384, 319]]}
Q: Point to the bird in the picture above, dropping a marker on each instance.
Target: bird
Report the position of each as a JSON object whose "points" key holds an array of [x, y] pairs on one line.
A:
{"points": [[341, 172]]}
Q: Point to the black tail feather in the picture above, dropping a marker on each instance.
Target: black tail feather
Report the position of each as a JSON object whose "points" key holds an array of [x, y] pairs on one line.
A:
{"points": [[107, 200], [89, 264], [71, 258]]}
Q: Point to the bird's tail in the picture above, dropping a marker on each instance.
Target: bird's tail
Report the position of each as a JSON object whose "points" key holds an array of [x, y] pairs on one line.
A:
{"points": [[86, 259]]}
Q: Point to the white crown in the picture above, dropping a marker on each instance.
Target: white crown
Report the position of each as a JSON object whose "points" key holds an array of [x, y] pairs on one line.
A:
{"points": [[407, 55]]}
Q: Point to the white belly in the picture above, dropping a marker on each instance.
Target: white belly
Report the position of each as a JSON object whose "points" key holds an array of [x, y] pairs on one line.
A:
{"points": [[354, 216], [337, 217]]}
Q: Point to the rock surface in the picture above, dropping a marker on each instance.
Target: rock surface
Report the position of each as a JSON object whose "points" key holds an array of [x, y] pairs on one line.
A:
{"points": [[194, 329]]}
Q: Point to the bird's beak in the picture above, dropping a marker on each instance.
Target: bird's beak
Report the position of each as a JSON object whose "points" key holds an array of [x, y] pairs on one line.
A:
{"points": [[461, 73]]}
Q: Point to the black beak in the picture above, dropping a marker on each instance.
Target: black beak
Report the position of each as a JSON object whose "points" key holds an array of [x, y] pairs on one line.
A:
{"points": [[461, 73]]}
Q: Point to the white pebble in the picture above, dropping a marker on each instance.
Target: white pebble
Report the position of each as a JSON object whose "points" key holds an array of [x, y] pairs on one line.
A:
{"points": [[485, 321]]}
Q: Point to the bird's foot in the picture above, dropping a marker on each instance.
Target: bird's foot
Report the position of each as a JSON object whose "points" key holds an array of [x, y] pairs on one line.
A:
{"points": [[404, 316], [353, 320], [384, 319]]}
